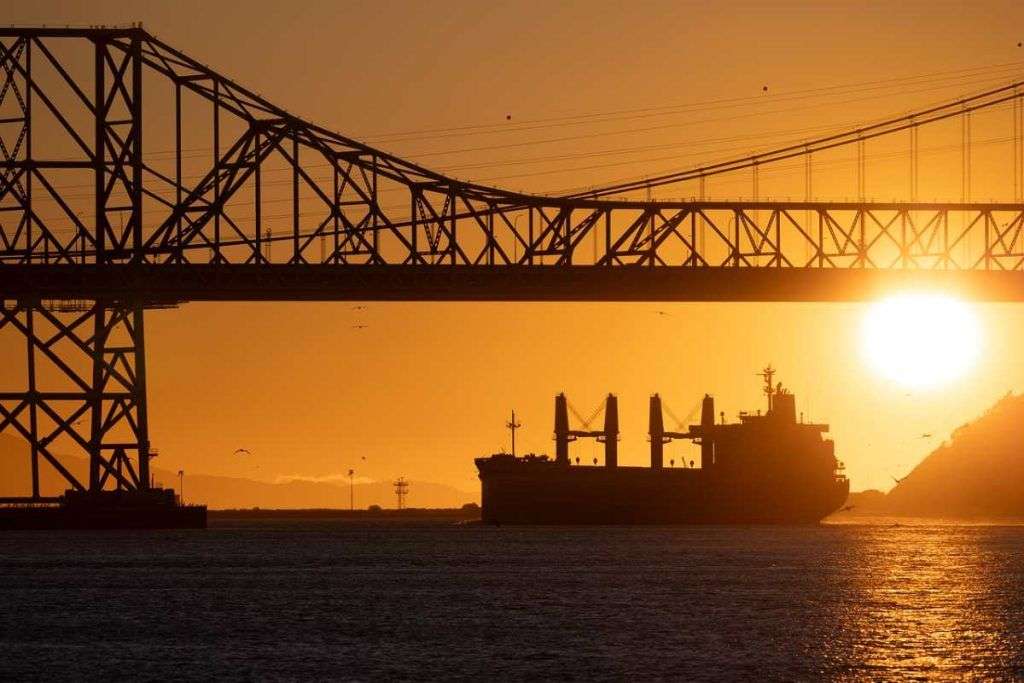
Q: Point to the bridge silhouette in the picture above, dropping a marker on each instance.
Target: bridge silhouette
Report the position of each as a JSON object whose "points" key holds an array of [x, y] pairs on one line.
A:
{"points": [[96, 227]]}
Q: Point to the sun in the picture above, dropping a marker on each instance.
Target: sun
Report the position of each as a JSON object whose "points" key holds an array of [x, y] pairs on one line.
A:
{"points": [[921, 340]]}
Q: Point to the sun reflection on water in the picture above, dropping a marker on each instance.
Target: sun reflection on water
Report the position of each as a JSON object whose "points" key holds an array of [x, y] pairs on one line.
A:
{"points": [[934, 601]]}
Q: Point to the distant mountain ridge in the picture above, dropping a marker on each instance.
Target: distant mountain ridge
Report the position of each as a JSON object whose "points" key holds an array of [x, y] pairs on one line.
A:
{"points": [[979, 472], [220, 492]]}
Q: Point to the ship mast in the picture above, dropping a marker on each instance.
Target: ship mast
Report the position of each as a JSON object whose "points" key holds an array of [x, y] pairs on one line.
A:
{"points": [[768, 373], [513, 425]]}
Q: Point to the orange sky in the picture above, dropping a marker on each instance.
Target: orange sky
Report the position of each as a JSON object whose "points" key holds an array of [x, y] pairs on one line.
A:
{"points": [[426, 387]]}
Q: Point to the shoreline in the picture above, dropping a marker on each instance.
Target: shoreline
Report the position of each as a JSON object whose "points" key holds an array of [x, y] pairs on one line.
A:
{"points": [[336, 513]]}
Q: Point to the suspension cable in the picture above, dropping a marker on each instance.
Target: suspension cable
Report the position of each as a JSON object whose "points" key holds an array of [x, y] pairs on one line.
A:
{"points": [[934, 114]]}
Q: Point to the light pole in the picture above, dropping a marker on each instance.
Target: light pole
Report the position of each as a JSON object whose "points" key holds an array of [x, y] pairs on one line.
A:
{"points": [[181, 486], [351, 490]]}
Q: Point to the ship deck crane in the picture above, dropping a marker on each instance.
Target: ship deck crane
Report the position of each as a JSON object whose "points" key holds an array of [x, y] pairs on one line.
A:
{"points": [[609, 436], [659, 436]]}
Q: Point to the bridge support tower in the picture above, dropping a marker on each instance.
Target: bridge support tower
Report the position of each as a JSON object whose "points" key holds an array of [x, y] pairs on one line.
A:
{"points": [[84, 392]]}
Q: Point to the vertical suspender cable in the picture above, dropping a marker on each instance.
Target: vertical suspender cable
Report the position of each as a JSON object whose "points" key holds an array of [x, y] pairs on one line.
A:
{"points": [[913, 164], [1018, 148], [1016, 158], [700, 221], [757, 214], [861, 170], [807, 198], [967, 158], [755, 181], [965, 178]]}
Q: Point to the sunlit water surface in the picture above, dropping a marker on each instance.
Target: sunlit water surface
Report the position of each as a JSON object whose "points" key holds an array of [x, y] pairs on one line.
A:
{"points": [[331, 599]]}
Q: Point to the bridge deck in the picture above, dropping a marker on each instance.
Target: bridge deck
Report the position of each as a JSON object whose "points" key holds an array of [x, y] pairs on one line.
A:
{"points": [[311, 282]]}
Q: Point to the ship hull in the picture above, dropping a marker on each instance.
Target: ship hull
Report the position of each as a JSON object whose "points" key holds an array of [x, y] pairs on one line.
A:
{"points": [[548, 493]]}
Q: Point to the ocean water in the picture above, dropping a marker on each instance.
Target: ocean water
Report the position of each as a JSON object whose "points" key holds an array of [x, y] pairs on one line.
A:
{"points": [[334, 599]]}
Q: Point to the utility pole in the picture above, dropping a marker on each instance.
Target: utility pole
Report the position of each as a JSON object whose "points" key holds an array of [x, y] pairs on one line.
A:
{"points": [[181, 486], [513, 425], [401, 490], [351, 490]]}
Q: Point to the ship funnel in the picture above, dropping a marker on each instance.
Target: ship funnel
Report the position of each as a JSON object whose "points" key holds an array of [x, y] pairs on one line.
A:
{"points": [[707, 411], [656, 429], [611, 432], [784, 408], [561, 430], [707, 427]]}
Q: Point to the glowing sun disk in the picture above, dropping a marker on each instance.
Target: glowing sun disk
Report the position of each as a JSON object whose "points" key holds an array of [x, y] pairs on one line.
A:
{"points": [[921, 340]]}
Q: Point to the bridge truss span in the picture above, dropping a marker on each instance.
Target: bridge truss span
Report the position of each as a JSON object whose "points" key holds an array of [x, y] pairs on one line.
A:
{"points": [[227, 178]]}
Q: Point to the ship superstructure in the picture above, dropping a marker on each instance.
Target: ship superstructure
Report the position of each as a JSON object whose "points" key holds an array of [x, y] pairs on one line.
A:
{"points": [[765, 468]]}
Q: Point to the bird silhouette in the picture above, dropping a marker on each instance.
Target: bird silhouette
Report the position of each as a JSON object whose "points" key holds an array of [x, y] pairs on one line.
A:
{"points": [[359, 327], [359, 308], [241, 451]]}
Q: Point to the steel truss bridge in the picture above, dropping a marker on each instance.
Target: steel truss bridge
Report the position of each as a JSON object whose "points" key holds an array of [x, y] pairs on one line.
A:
{"points": [[104, 214]]}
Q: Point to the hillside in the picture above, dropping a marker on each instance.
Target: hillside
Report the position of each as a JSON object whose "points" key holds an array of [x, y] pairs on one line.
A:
{"points": [[232, 492], [979, 472]]}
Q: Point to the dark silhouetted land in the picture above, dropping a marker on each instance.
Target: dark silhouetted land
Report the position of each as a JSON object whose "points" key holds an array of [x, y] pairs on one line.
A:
{"points": [[467, 513], [979, 472], [219, 492]]}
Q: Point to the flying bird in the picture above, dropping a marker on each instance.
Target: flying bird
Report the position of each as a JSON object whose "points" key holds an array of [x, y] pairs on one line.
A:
{"points": [[241, 451], [359, 308], [926, 435], [663, 313], [358, 327], [898, 481]]}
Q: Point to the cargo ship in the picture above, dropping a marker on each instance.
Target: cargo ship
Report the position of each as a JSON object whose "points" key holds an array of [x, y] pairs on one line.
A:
{"points": [[769, 468]]}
